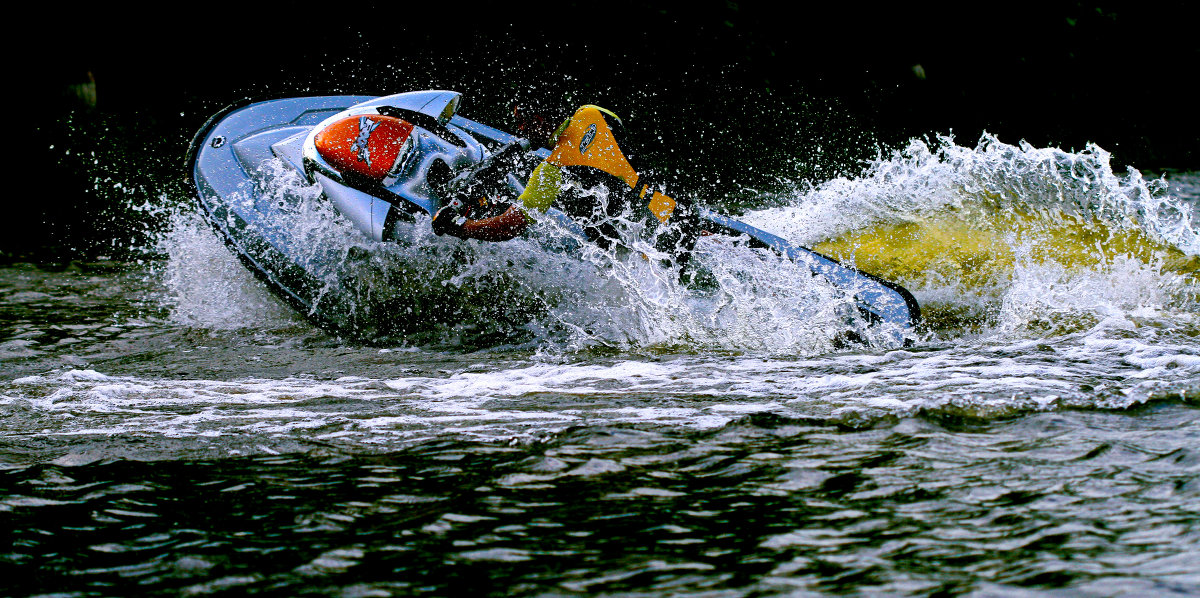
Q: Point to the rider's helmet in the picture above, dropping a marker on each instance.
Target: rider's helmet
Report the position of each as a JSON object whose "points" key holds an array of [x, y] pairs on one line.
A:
{"points": [[532, 124], [536, 115], [369, 145]]}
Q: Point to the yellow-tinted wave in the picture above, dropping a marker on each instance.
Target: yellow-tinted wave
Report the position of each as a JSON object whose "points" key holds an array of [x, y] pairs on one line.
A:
{"points": [[962, 266], [978, 251]]}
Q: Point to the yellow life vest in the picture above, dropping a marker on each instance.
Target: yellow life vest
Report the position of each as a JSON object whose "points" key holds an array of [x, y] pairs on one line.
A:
{"points": [[586, 139]]}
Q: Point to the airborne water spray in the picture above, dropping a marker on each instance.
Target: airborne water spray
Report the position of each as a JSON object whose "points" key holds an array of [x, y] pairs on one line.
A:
{"points": [[976, 232], [965, 228]]}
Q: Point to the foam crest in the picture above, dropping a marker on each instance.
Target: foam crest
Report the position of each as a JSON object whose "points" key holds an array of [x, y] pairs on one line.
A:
{"points": [[992, 178], [1006, 238], [1047, 297]]}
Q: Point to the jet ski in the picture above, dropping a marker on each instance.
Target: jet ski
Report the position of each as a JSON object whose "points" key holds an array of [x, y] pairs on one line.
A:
{"points": [[384, 163]]}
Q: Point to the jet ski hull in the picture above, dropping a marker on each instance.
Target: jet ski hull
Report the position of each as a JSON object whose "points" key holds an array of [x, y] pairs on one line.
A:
{"points": [[225, 157], [224, 180]]}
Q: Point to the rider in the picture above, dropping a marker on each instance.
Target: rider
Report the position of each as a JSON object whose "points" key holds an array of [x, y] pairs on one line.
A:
{"points": [[584, 154]]}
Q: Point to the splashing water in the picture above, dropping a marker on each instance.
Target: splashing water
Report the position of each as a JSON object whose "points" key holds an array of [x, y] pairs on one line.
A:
{"points": [[208, 286], [424, 289], [995, 238]]}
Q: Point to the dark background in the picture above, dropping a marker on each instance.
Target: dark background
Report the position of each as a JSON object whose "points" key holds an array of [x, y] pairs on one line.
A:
{"points": [[733, 97]]}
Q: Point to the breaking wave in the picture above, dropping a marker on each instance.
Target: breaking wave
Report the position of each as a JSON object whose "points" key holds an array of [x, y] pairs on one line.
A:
{"points": [[1002, 239]]}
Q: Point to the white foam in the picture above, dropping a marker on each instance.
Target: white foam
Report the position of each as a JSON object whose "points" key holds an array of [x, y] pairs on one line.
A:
{"points": [[207, 287], [919, 180]]}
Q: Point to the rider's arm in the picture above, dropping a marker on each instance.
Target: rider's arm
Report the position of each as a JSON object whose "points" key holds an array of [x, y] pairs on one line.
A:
{"points": [[501, 227], [484, 220]]}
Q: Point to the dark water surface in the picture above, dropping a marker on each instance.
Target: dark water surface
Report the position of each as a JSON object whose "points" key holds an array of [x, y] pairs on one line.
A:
{"points": [[1102, 503]]}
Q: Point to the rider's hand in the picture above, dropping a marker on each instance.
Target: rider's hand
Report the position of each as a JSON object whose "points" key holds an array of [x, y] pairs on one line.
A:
{"points": [[454, 215], [450, 219]]}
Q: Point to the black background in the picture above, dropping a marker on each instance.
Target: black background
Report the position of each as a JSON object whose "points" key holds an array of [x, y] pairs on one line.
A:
{"points": [[729, 96]]}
